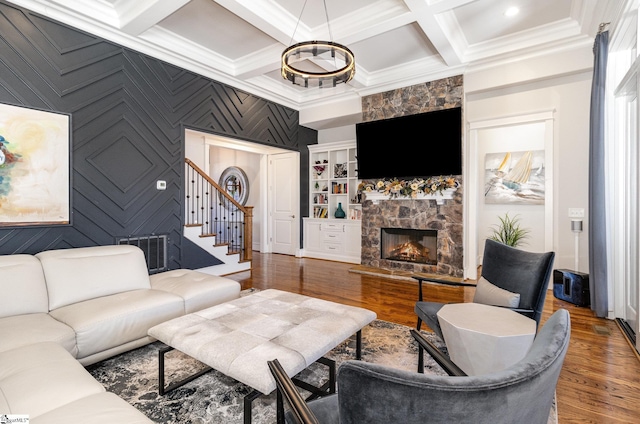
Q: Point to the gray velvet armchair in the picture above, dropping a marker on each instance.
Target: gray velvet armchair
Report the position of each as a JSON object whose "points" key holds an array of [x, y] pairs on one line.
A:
{"points": [[370, 393], [506, 271]]}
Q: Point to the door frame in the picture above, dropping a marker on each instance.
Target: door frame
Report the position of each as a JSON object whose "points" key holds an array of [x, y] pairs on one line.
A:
{"points": [[213, 140]]}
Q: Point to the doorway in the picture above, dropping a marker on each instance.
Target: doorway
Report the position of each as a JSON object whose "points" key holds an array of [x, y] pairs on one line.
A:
{"points": [[260, 163], [274, 190]]}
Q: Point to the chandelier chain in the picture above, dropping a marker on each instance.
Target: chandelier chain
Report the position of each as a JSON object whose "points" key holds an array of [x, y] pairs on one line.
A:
{"points": [[326, 15], [299, 19]]}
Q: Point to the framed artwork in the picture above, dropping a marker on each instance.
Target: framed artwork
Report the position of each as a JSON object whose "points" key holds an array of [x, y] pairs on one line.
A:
{"points": [[35, 167], [515, 177]]}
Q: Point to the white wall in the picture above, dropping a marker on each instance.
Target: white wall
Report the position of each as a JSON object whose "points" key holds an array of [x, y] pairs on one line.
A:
{"points": [[569, 97], [347, 132], [514, 138]]}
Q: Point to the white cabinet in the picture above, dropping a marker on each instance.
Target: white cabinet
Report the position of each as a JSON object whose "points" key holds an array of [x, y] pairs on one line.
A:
{"points": [[336, 240]]}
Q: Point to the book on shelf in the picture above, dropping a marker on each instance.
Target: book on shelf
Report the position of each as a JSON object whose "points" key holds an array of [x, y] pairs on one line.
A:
{"points": [[355, 214], [319, 212], [320, 199], [338, 188]]}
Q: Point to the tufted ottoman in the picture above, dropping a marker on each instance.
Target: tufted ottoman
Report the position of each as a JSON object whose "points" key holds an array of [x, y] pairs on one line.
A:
{"points": [[238, 337]]}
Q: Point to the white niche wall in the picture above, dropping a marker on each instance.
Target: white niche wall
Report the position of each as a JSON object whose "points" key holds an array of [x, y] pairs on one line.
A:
{"points": [[508, 134]]}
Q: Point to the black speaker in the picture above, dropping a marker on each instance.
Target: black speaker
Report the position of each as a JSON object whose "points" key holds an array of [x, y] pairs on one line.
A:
{"points": [[571, 286]]}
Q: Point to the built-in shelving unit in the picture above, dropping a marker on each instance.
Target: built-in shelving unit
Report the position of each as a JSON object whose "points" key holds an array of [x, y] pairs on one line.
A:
{"points": [[333, 180], [333, 185]]}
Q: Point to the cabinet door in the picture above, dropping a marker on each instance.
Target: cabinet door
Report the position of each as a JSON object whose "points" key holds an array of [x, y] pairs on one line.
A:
{"points": [[313, 236], [353, 241]]}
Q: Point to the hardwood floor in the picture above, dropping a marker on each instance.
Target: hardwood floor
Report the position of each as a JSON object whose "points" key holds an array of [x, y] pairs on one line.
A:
{"points": [[600, 379]]}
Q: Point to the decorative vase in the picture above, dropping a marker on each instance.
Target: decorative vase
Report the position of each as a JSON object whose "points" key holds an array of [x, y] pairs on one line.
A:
{"points": [[339, 212]]}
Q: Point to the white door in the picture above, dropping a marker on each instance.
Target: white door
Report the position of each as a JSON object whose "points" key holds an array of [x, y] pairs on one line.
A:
{"points": [[284, 209]]}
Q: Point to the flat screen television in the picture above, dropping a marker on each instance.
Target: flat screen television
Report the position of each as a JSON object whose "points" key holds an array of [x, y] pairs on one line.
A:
{"points": [[413, 146]]}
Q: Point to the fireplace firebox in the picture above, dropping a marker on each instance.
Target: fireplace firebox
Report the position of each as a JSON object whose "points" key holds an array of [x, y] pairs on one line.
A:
{"points": [[409, 245]]}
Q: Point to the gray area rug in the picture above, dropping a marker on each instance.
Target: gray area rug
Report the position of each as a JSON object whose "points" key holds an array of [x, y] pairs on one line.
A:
{"points": [[216, 398]]}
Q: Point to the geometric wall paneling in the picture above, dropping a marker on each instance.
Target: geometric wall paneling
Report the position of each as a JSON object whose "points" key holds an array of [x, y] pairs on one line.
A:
{"points": [[128, 112]]}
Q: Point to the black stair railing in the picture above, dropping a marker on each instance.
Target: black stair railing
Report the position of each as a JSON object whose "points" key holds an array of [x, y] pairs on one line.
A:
{"points": [[219, 214]]}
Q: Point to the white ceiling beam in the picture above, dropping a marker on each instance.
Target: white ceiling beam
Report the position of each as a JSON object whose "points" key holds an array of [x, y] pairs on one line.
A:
{"points": [[138, 16], [440, 6], [430, 24], [59, 9], [268, 17]]}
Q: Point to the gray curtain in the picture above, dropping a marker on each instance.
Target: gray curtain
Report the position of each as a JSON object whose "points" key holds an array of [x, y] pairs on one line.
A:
{"points": [[597, 214]]}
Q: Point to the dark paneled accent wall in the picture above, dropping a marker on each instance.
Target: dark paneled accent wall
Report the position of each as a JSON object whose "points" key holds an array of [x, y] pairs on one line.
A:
{"points": [[306, 136], [128, 117]]}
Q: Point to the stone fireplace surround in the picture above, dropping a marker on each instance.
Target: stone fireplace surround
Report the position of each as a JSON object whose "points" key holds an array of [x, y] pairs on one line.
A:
{"points": [[416, 214], [408, 213]]}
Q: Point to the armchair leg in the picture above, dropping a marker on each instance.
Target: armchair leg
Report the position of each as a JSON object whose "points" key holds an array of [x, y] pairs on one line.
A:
{"points": [[419, 324]]}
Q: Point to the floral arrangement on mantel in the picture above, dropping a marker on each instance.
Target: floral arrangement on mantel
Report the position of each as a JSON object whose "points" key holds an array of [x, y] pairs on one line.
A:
{"points": [[413, 188]]}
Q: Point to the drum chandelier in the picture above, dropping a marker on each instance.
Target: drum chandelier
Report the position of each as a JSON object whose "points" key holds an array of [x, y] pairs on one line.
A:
{"points": [[332, 63]]}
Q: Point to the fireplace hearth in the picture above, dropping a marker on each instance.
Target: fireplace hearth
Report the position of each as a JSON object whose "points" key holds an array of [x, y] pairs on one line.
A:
{"points": [[409, 245]]}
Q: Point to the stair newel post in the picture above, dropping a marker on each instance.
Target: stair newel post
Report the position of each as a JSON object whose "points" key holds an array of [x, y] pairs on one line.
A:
{"points": [[248, 232]]}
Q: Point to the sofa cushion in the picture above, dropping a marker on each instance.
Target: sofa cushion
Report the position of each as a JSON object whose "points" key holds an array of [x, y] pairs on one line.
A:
{"points": [[38, 378], [101, 408], [109, 321], [199, 290], [75, 275], [22, 286], [22, 330]]}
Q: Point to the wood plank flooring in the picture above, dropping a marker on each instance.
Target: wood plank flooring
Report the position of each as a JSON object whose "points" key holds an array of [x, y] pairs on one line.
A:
{"points": [[600, 380]]}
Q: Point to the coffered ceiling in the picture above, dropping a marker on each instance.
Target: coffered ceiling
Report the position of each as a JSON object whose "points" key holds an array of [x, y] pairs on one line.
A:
{"points": [[396, 43]]}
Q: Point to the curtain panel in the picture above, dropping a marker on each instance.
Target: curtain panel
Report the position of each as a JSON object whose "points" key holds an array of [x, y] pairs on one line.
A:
{"points": [[598, 282]]}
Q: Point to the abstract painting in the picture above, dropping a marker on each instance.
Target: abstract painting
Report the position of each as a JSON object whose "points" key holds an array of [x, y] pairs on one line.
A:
{"points": [[34, 167], [515, 177]]}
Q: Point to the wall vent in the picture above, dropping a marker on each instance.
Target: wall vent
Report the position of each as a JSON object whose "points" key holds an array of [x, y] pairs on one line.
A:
{"points": [[154, 247]]}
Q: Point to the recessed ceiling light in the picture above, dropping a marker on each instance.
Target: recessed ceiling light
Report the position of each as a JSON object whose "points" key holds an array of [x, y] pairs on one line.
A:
{"points": [[512, 11]]}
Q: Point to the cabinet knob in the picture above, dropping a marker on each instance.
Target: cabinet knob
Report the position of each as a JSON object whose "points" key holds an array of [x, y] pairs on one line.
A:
{"points": [[293, 216]]}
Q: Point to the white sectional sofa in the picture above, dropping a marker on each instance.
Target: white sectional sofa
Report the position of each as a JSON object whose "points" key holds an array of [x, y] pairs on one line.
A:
{"points": [[62, 309]]}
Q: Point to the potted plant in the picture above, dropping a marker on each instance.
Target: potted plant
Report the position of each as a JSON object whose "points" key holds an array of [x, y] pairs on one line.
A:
{"points": [[509, 231]]}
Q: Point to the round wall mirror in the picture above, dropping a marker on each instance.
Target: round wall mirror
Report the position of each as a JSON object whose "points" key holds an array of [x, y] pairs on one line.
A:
{"points": [[234, 181]]}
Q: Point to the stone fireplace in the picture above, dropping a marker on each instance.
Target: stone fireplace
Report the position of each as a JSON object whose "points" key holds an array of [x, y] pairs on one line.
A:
{"points": [[444, 221], [415, 214]]}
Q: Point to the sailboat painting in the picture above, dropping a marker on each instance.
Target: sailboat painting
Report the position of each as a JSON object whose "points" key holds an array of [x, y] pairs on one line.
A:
{"points": [[515, 177]]}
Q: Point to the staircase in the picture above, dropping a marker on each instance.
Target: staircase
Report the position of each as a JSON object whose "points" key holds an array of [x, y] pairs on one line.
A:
{"points": [[217, 223]]}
